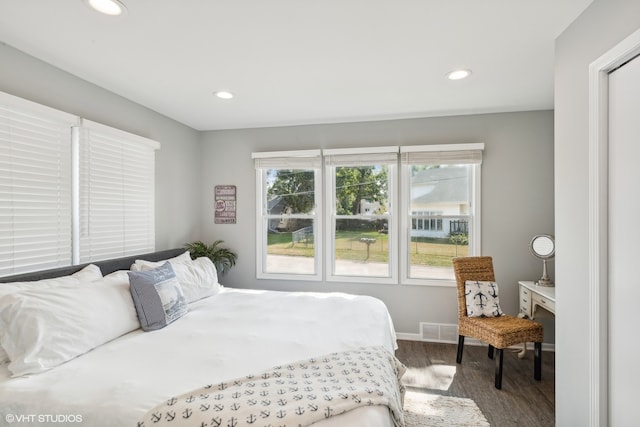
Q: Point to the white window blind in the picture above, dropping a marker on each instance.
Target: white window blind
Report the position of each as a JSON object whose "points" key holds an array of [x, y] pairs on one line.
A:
{"points": [[360, 156], [35, 186], [301, 159], [450, 154], [117, 193]]}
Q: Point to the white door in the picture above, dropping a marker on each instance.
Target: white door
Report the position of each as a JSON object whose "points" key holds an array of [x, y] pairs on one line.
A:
{"points": [[624, 243]]}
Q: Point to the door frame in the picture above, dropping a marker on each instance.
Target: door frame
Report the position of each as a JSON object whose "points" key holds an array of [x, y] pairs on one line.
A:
{"points": [[598, 286]]}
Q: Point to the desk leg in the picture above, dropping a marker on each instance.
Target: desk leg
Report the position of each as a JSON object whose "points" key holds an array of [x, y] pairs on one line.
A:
{"points": [[523, 353]]}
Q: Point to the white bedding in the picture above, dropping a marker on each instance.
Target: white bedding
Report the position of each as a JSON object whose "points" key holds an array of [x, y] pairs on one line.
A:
{"points": [[224, 336]]}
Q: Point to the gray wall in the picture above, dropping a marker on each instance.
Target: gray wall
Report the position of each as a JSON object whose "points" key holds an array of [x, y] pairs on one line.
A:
{"points": [[177, 172], [601, 26], [517, 199]]}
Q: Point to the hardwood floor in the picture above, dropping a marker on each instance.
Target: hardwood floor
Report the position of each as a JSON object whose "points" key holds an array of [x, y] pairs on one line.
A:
{"points": [[522, 401]]}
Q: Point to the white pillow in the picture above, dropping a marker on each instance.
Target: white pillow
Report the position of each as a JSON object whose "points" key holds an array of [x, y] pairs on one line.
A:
{"points": [[482, 299], [140, 264], [203, 279], [88, 274], [45, 328], [198, 278]]}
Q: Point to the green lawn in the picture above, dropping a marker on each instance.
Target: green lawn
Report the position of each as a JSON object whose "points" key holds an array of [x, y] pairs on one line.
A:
{"points": [[432, 252]]}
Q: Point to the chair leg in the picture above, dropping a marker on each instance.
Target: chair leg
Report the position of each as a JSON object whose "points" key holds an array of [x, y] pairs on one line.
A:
{"points": [[537, 361], [460, 346], [490, 351], [499, 369]]}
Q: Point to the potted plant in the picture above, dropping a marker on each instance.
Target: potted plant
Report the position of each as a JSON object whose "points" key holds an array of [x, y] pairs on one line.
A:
{"points": [[222, 257]]}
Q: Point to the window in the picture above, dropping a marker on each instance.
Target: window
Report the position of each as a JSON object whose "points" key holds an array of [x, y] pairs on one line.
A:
{"points": [[361, 220], [35, 186], [289, 201], [441, 188], [426, 220], [381, 226], [69, 193], [117, 193]]}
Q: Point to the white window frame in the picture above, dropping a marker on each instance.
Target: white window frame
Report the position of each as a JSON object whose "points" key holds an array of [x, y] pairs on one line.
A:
{"points": [[311, 159], [452, 154], [368, 156], [399, 199]]}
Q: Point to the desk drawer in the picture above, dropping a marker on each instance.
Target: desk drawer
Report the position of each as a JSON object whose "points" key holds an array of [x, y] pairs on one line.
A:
{"points": [[544, 302], [525, 301]]}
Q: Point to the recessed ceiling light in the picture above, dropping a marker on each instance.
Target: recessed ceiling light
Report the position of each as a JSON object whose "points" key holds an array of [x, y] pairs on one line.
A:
{"points": [[108, 7], [458, 74], [223, 94]]}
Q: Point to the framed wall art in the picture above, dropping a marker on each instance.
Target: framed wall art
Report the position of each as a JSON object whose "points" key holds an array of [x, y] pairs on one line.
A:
{"points": [[225, 204]]}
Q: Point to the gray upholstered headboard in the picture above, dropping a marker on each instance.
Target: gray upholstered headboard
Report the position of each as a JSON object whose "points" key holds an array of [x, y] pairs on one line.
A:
{"points": [[107, 266]]}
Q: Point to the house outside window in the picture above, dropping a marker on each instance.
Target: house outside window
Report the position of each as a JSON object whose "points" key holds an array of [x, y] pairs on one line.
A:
{"points": [[441, 190]]}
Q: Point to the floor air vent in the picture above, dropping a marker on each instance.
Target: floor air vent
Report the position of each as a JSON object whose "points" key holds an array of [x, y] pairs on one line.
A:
{"points": [[439, 332]]}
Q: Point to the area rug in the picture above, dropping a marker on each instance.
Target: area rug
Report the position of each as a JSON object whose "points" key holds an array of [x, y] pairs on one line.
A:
{"points": [[426, 410]]}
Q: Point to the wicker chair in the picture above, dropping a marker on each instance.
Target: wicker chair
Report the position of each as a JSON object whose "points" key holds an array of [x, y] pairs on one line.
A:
{"points": [[499, 332]]}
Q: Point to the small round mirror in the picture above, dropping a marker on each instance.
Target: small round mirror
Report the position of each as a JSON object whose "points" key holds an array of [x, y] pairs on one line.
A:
{"points": [[543, 246]]}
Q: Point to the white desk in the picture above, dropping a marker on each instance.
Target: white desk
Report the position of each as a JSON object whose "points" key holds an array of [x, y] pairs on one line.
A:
{"points": [[533, 296]]}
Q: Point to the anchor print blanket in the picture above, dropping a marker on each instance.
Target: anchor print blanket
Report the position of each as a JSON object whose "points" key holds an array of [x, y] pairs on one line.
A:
{"points": [[292, 395]]}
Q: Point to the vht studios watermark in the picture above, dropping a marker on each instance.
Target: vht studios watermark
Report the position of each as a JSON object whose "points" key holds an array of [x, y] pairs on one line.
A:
{"points": [[43, 418]]}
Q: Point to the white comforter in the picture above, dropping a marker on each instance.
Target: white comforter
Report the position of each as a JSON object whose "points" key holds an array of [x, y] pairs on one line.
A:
{"points": [[225, 336]]}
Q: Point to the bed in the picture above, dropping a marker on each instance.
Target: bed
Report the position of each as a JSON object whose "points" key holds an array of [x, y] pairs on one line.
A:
{"points": [[226, 335]]}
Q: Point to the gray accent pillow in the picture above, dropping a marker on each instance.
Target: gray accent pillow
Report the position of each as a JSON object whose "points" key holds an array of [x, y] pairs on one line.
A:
{"points": [[158, 297]]}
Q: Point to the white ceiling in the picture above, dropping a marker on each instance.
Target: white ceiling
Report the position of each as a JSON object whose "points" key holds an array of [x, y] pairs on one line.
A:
{"points": [[292, 62]]}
